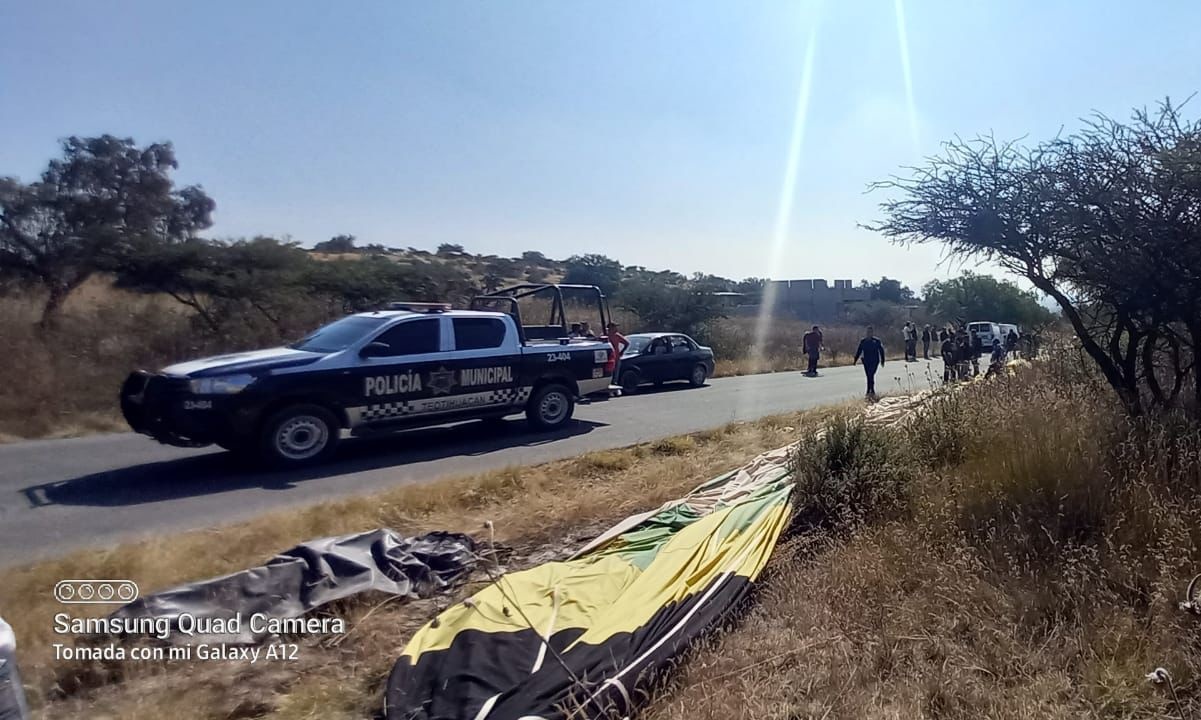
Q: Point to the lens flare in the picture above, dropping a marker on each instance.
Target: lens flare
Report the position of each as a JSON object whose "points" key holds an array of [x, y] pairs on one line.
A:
{"points": [[785, 204], [903, 42]]}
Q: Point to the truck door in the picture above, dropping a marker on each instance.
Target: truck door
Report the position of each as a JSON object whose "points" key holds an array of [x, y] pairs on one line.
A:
{"points": [[488, 362], [401, 371]]}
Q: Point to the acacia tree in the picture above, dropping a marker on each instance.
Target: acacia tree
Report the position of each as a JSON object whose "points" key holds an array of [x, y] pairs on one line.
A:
{"points": [[89, 209], [983, 297], [1104, 221]]}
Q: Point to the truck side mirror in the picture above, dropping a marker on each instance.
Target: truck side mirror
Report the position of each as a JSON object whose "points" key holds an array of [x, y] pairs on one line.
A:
{"points": [[375, 349]]}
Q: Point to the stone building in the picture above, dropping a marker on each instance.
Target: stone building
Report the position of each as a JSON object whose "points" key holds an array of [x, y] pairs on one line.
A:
{"points": [[815, 300]]}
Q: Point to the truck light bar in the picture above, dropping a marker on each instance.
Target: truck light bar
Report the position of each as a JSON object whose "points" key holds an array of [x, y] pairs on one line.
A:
{"points": [[419, 307]]}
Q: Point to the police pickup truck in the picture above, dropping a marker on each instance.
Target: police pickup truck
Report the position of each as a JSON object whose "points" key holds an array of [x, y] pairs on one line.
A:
{"points": [[414, 364]]}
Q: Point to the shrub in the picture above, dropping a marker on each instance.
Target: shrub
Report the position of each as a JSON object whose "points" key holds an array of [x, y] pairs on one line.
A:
{"points": [[848, 474]]}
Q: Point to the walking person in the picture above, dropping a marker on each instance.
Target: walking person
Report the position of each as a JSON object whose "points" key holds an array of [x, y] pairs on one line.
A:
{"points": [[1011, 343], [811, 344], [926, 337], [872, 351]]}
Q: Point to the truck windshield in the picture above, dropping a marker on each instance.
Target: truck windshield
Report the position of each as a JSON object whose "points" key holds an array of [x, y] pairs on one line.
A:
{"points": [[339, 334]]}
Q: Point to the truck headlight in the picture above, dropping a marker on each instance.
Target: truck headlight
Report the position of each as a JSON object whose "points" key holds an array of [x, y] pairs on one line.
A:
{"points": [[220, 384]]}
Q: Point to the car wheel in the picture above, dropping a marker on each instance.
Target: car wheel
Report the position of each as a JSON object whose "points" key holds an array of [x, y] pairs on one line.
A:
{"points": [[298, 435], [629, 381], [550, 407], [698, 375]]}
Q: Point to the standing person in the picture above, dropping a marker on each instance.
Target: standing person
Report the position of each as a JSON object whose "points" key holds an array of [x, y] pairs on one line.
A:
{"points": [[977, 352], [619, 343], [947, 350], [942, 336], [910, 342], [996, 362], [811, 344], [926, 343], [1011, 343], [872, 351], [963, 354], [12, 695]]}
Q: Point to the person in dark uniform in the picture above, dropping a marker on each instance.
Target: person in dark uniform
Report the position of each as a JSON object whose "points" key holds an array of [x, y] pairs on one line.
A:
{"points": [[926, 337], [812, 346], [963, 354], [872, 351], [977, 352], [1011, 343], [947, 350]]}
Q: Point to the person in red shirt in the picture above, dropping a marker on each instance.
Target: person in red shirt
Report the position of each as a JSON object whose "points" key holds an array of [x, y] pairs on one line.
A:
{"points": [[619, 343]]}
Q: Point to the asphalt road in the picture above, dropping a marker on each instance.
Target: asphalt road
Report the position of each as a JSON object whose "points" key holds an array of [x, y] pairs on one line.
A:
{"points": [[58, 495]]}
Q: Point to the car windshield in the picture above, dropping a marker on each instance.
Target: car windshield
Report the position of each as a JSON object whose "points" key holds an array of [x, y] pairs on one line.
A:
{"points": [[339, 334], [637, 344]]}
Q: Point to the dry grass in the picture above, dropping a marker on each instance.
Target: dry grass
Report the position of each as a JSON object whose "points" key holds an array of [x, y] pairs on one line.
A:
{"points": [[732, 340], [542, 512], [1033, 572]]}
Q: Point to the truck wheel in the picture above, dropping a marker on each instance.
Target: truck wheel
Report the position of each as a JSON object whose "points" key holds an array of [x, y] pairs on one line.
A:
{"points": [[550, 407], [630, 381], [298, 435], [698, 375]]}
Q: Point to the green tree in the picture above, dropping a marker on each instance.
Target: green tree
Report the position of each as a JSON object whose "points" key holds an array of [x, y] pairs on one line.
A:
{"points": [[889, 290], [597, 270], [982, 297], [336, 245], [664, 307], [1105, 221], [450, 250], [221, 281], [533, 257], [90, 207], [752, 287], [702, 282]]}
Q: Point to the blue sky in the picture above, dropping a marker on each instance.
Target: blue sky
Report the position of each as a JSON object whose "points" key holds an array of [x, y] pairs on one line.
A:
{"points": [[657, 133]]}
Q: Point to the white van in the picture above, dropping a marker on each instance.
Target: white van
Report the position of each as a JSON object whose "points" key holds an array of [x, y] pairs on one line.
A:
{"points": [[1005, 328], [986, 331]]}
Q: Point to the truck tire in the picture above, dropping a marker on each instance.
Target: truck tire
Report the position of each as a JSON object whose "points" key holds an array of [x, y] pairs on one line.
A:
{"points": [[698, 375], [298, 435], [550, 407]]}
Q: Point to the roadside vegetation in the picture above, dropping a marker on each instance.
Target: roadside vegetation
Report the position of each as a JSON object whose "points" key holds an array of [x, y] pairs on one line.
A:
{"points": [[1018, 551]]}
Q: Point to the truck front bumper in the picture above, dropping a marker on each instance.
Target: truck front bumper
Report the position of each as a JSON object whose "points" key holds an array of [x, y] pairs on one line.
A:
{"points": [[164, 408]]}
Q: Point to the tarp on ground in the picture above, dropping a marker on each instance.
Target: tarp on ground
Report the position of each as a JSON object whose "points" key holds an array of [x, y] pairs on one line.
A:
{"points": [[581, 636], [315, 573]]}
